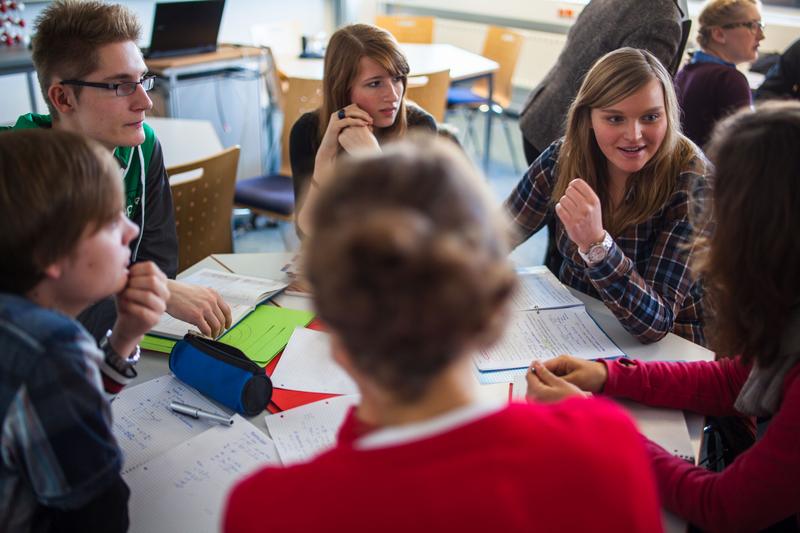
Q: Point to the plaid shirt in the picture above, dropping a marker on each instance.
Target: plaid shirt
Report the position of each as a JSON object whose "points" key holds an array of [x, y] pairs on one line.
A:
{"points": [[56, 445], [645, 280]]}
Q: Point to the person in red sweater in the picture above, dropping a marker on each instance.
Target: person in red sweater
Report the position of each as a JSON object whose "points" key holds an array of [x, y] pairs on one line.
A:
{"points": [[755, 289], [408, 267]]}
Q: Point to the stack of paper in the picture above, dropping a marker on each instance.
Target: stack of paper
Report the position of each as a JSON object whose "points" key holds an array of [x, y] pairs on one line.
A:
{"points": [[307, 365]]}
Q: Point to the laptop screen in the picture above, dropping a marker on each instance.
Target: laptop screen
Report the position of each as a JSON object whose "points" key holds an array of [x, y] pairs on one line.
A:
{"points": [[181, 28]]}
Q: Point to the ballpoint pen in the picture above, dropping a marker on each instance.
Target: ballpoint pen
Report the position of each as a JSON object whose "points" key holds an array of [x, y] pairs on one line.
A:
{"points": [[196, 412]]}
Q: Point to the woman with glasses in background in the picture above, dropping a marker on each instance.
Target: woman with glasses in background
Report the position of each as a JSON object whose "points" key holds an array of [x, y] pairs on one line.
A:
{"points": [[710, 87]]}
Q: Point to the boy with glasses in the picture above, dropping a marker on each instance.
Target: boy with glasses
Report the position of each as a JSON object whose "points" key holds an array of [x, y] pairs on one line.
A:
{"points": [[95, 82]]}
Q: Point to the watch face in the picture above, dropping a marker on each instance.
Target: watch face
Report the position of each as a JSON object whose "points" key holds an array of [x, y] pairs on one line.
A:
{"points": [[596, 253]]}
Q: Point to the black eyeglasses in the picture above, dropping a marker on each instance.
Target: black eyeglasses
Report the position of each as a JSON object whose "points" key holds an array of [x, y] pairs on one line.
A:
{"points": [[125, 88], [752, 25]]}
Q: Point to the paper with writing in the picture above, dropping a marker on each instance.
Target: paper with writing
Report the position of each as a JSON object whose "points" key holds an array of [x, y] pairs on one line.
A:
{"points": [[304, 432], [185, 488], [542, 335], [540, 289]]}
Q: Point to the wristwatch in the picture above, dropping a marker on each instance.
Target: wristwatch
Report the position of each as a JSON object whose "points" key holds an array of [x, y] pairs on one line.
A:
{"points": [[598, 251], [123, 365]]}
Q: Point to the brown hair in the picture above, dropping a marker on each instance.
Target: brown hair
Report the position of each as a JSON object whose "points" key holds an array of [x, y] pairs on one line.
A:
{"points": [[751, 265], [68, 34], [53, 186], [614, 77], [408, 262], [342, 58], [718, 13]]}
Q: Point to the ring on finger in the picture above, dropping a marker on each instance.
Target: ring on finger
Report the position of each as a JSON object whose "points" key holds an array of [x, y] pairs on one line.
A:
{"points": [[341, 114]]}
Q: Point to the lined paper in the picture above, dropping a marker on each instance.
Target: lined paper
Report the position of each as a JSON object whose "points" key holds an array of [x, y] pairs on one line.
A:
{"points": [[540, 289], [185, 488], [542, 335], [304, 432], [146, 427]]}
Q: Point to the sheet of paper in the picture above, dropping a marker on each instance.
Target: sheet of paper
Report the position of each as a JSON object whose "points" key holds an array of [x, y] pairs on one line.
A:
{"points": [[265, 331], [307, 365], [145, 426], [545, 334], [304, 432], [185, 489], [234, 287], [540, 289], [665, 427]]}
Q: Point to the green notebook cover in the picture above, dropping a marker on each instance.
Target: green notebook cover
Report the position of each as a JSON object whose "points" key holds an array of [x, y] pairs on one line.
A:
{"points": [[262, 334], [157, 344]]}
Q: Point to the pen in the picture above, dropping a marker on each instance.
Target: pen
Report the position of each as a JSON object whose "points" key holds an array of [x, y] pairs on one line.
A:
{"points": [[196, 412]]}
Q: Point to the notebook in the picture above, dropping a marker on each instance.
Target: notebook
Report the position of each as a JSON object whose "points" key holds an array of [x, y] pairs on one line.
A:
{"points": [[547, 321], [242, 293], [185, 28], [179, 469]]}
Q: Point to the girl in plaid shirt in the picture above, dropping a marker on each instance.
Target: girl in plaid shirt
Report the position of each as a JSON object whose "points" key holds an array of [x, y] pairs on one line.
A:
{"points": [[619, 185]]}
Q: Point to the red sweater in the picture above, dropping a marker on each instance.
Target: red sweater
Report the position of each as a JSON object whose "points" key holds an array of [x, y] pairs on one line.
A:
{"points": [[762, 486], [577, 466]]}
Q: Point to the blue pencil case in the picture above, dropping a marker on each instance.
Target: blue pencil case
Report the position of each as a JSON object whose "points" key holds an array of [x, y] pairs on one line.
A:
{"points": [[222, 373]]}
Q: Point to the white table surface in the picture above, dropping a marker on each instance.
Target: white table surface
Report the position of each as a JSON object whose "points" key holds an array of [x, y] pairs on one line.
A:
{"points": [[422, 59], [269, 265], [185, 140]]}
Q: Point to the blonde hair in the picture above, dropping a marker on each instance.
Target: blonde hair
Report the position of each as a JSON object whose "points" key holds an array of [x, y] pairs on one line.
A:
{"points": [[342, 59], [718, 13], [408, 262], [614, 77], [68, 34]]}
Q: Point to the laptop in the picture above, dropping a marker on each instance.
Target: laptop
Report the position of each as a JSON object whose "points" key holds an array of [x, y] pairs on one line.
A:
{"points": [[185, 28]]}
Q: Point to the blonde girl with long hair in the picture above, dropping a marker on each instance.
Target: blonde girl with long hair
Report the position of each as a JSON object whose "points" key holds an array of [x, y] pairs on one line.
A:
{"points": [[618, 184]]}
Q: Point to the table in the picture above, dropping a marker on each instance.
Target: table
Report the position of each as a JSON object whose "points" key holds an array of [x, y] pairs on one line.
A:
{"points": [[269, 265], [185, 140], [423, 59]]}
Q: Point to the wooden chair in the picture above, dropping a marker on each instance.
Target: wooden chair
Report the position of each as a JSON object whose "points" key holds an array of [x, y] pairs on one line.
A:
{"points": [[272, 195], [503, 46], [203, 206], [407, 29], [432, 97]]}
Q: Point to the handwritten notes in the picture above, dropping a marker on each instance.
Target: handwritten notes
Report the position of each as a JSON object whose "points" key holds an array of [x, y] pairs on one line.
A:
{"points": [[185, 488], [543, 335], [304, 432], [307, 365], [144, 425]]}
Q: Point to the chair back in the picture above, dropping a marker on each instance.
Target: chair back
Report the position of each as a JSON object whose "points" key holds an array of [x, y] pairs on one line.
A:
{"points": [[503, 46], [203, 206], [301, 96], [407, 29], [432, 97]]}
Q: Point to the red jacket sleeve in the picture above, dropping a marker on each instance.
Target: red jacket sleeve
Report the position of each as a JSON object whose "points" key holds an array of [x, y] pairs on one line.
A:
{"points": [[706, 387], [758, 489]]}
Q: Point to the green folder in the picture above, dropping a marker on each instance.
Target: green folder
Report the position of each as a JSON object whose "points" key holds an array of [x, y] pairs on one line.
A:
{"points": [[262, 334], [157, 344]]}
